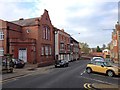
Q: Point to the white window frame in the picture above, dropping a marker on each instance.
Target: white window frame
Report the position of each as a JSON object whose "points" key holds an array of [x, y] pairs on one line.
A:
{"points": [[115, 43], [46, 32], [1, 52], [46, 50], [1, 35], [50, 50], [42, 50]]}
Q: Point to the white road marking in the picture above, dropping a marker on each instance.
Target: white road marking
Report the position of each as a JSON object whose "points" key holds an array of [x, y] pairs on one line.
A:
{"points": [[83, 72], [97, 80], [105, 76]]}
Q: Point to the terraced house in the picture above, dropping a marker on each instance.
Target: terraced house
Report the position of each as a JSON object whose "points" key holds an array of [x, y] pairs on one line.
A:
{"points": [[66, 47], [62, 45], [31, 40], [75, 49]]}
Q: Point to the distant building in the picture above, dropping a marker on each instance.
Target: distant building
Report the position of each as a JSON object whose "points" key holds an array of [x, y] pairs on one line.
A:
{"points": [[94, 53], [106, 53], [98, 54], [31, 40]]}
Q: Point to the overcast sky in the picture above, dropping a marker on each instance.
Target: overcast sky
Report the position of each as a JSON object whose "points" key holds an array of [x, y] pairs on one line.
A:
{"points": [[90, 18]]}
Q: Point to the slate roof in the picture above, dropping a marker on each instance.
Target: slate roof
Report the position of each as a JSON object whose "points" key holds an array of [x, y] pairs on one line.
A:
{"points": [[72, 39], [26, 22]]}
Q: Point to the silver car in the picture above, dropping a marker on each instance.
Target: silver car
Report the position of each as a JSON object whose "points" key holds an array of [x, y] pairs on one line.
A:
{"points": [[97, 59]]}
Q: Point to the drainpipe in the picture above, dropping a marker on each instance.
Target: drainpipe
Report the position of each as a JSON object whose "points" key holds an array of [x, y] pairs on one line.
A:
{"points": [[8, 44]]}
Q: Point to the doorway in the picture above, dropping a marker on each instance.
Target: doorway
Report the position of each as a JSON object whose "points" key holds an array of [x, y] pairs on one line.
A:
{"points": [[23, 54]]}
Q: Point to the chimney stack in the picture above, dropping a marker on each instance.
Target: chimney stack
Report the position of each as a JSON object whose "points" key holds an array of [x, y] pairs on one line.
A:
{"points": [[21, 19]]}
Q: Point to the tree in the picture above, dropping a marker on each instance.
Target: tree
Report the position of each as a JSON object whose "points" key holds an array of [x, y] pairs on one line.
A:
{"points": [[84, 48], [98, 49]]}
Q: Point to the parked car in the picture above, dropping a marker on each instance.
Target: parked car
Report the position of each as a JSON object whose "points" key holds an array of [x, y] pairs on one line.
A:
{"points": [[18, 63], [97, 59], [103, 67], [61, 63]]}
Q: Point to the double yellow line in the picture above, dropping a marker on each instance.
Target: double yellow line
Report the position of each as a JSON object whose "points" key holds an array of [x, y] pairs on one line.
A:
{"points": [[88, 86], [3, 81]]}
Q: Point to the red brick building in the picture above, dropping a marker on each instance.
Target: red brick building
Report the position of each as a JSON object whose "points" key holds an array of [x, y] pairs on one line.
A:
{"points": [[66, 47], [75, 49], [115, 43], [29, 39], [62, 45]]}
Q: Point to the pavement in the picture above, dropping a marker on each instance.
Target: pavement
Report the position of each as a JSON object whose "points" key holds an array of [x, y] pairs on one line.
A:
{"points": [[100, 86], [29, 68]]}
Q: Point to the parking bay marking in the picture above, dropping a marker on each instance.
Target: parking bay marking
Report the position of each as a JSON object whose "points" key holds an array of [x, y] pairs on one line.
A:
{"points": [[97, 80], [83, 72], [105, 76]]}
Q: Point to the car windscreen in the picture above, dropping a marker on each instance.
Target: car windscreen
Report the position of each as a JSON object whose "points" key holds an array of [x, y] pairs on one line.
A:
{"points": [[107, 64], [98, 59]]}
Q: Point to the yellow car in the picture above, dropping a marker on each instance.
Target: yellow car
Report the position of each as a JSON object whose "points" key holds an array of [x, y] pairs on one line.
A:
{"points": [[103, 67]]}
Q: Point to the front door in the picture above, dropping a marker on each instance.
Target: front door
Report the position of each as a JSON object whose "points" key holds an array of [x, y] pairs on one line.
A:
{"points": [[23, 54]]}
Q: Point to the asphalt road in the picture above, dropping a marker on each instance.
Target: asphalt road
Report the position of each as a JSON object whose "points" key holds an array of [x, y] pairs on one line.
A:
{"points": [[73, 76]]}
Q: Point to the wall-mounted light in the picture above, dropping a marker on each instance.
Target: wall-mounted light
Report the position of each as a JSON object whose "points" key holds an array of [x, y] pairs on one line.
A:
{"points": [[56, 32], [28, 31]]}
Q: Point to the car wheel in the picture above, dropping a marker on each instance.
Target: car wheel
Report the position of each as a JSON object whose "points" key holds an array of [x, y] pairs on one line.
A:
{"points": [[55, 66], [110, 73], [88, 70], [66, 65], [15, 66]]}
